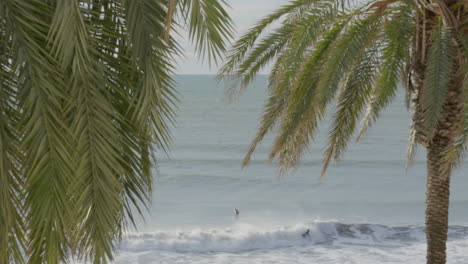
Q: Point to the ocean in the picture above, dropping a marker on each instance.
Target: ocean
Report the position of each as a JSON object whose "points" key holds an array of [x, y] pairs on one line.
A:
{"points": [[368, 209]]}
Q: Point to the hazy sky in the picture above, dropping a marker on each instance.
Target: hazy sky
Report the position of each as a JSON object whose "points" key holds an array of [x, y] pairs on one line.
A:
{"points": [[244, 13]]}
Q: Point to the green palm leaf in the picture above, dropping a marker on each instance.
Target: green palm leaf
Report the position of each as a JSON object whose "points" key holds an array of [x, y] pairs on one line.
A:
{"points": [[87, 95], [12, 227], [48, 163], [209, 25], [258, 58], [292, 39], [351, 102], [398, 32], [345, 52], [437, 76], [303, 113], [247, 41], [99, 163]]}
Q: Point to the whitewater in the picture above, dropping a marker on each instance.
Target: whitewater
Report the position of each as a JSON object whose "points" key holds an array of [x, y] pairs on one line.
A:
{"points": [[368, 208]]}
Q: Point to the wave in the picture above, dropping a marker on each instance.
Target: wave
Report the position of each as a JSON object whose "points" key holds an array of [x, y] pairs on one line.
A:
{"points": [[242, 238]]}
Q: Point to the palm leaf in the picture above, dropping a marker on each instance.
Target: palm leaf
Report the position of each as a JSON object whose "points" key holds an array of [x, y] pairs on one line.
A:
{"points": [[302, 113], [296, 34], [437, 76], [345, 52], [47, 163], [242, 46], [398, 32], [351, 102], [259, 57], [287, 64], [209, 26], [98, 206], [88, 91], [155, 95], [12, 240]]}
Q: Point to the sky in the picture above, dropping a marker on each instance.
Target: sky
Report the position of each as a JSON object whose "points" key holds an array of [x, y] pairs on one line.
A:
{"points": [[244, 13]]}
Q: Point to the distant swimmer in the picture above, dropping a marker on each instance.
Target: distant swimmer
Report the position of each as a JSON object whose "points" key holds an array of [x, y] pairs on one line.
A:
{"points": [[306, 233], [237, 211]]}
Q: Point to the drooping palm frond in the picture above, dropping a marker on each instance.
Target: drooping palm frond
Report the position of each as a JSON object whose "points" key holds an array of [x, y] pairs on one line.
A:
{"points": [[259, 57], [351, 102], [12, 240], [209, 26], [99, 168], [304, 112], [45, 137], [461, 147], [398, 32], [389, 24], [346, 51], [247, 41], [292, 39], [87, 95], [437, 76], [282, 76], [413, 132], [155, 96]]}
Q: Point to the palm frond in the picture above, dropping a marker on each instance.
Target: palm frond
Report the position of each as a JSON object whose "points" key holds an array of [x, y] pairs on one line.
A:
{"points": [[44, 134], [412, 145], [97, 184], [135, 142], [87, 94], [345, 52], [301, 123], [12, 240], [279, 89], [155, 96], [460, 148], [242, 46], [282, 76], [302, 114], [296, 34], [351, 102], [461, 145], [437, 76], [261, 54], [398, 33], [209, 26]]}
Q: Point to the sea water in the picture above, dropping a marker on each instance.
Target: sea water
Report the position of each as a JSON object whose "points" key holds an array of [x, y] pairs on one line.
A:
{"points": [[368, 209]]}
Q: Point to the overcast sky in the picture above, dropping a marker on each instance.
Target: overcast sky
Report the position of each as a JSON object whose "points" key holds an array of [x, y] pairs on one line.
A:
{"points": [[244, 13]]}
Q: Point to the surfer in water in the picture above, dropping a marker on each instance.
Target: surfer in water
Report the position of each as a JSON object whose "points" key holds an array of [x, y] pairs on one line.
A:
{"points": [[236, 211], [306, 233]]}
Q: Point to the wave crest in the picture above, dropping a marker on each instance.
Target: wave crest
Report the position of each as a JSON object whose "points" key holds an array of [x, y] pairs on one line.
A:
{"points": [[243, 238]]}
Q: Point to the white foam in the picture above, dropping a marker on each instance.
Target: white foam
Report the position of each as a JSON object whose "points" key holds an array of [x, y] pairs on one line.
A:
{"points": [[237, 239], [242, 238]]}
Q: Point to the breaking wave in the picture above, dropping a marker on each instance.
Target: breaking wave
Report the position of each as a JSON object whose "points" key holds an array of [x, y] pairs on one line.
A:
{"points": [[242, 238]]}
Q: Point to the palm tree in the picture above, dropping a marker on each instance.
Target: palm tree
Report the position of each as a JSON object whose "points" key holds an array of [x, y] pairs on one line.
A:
{"points": [[86, 94], [357, 55]]}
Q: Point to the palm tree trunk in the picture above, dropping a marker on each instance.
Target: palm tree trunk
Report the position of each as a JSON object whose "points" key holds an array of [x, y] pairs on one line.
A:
{"points": [[437, 204], [439, 171], [440, 145]]}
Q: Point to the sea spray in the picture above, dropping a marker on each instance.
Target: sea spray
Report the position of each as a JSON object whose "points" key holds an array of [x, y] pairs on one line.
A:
{"points": [[243, 237]]}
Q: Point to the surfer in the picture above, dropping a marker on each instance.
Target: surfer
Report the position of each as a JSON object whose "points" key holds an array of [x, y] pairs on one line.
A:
{"points": [[306, 233], [237, 211]]}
